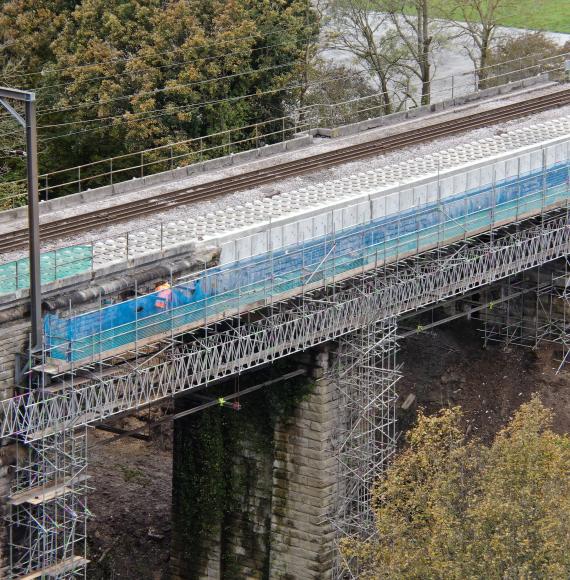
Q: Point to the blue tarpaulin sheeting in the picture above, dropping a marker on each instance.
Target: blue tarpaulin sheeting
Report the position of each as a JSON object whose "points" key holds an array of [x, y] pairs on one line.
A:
{"points": [[225, 287]]}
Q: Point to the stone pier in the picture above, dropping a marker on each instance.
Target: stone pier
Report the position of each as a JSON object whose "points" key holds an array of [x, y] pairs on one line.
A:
{"points": [[304, 484], [259, 506]]}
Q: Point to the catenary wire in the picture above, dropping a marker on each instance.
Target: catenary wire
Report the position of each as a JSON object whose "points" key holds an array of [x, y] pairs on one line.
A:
{"points": [[186, 108], [166, 66], [161, 90]]}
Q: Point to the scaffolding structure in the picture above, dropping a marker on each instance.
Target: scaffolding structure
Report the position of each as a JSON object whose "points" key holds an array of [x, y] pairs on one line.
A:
{"points": [[48, 508], [225, 347], [366, 375], [50, 419], [540, 316]]}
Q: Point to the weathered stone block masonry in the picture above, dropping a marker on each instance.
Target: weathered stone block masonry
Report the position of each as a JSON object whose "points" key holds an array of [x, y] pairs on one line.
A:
{"points": [[263, 510]]}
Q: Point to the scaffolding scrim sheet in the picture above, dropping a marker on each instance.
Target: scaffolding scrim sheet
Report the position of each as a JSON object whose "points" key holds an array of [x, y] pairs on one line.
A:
{"points": [[223, 290], [55, 265]]}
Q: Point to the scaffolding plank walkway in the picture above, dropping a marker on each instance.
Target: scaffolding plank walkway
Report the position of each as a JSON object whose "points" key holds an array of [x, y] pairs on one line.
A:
{"points": [[76, 562], [38, 495]]}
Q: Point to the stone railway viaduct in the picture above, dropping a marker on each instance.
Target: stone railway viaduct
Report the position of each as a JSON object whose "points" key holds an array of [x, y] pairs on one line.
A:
{"points": [[310, 304]]}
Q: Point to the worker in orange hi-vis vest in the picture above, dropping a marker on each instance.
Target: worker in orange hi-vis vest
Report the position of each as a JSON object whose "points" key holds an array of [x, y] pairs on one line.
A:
{"points": [[164, 295]]}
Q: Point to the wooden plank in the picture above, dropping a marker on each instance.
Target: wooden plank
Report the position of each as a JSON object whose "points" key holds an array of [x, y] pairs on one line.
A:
{"points": [[40, 494], [57, 569], [48, 369]]}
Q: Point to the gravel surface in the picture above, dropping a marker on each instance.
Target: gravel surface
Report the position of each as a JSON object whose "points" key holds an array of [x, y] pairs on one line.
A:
{"points": [[320, 145]]}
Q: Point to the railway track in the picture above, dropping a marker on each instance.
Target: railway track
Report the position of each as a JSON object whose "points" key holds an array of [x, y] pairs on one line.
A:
{"points": [[155, 204]]}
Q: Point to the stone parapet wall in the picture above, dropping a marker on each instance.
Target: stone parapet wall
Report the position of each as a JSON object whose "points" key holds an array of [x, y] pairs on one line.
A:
{"points": [[14, 337]]}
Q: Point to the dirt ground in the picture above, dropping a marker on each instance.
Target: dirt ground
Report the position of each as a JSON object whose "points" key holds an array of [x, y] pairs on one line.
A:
{"points": [[129, 535], [450, 367]]}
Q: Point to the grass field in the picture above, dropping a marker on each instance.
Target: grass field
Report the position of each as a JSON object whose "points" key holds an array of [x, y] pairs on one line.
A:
{"points": [[551, 15]]}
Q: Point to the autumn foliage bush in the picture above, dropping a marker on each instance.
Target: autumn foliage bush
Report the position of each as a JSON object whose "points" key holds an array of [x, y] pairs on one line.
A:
{"points": [[450, 507]]}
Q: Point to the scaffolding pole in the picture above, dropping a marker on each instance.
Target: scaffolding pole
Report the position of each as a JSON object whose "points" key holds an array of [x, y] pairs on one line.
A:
{"points": [[29, 124], [290, 326], [365, 374], [47, 417], [537, 319], [48, 508]]}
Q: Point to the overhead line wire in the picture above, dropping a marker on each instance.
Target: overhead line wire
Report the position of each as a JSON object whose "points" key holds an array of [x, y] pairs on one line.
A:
{"points": [[186, 108], [172, 65], [15, 132], [143, 94], [124, 73], [158, 91], [204, 103]]}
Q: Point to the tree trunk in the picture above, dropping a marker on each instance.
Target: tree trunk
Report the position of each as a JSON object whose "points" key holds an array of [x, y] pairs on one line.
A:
{"points": [[426, 83], [387, 102], [424, 42], [483, 73]]}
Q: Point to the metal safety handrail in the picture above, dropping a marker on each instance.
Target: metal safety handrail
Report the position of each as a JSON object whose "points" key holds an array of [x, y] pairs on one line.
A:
{"points": [[303, 119]]}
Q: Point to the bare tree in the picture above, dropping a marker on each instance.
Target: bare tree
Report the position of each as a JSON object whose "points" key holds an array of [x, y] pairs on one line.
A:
{"points": [[314, 22], [371, 38], [339, 96], [514, 57], [421, 35], [478, 22]]}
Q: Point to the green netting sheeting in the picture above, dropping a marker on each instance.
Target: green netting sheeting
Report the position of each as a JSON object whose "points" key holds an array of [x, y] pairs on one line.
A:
{"points": [[54, 265]]}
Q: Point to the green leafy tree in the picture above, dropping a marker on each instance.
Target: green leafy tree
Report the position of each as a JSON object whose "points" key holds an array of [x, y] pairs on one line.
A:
{"points": [[117, 76], [527, 45], [453, 508], [12, 140], [27, 30]]}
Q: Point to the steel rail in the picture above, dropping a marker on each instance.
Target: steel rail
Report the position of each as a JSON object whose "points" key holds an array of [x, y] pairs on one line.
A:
{"points": [[151, 205]]}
